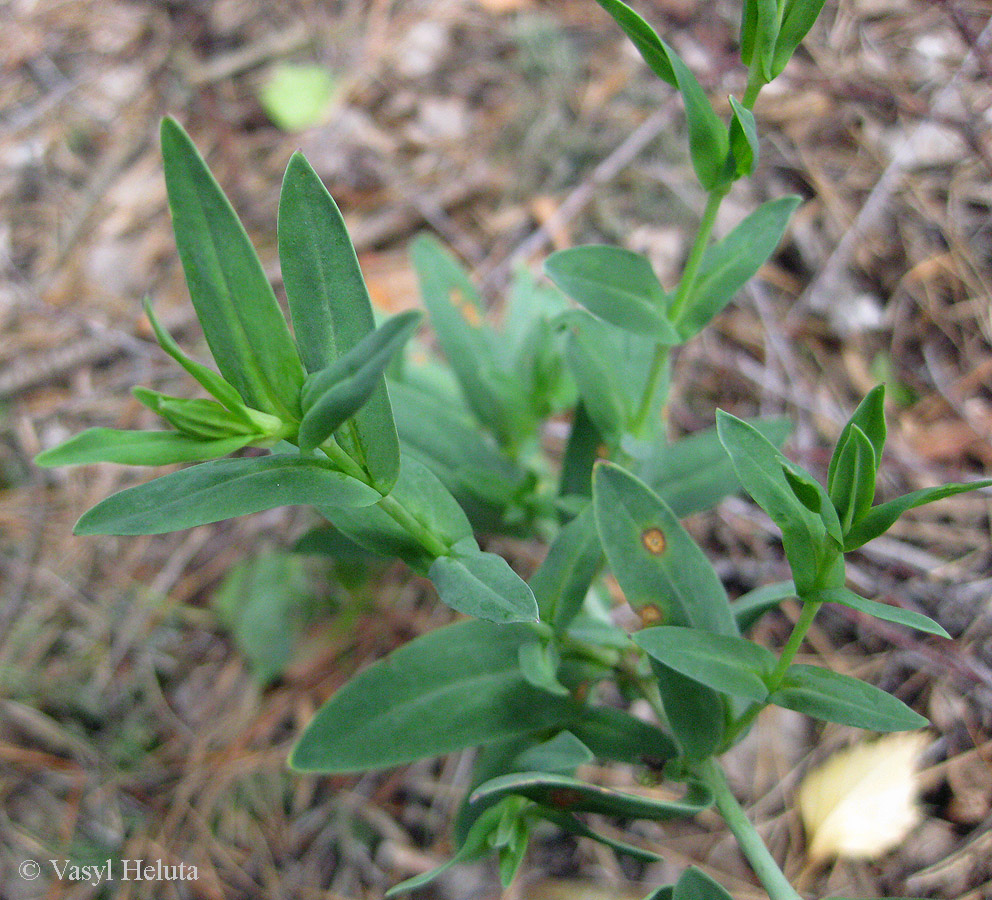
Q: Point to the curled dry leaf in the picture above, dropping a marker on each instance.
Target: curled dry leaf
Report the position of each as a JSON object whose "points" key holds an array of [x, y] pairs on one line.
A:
{"points": [[862, 801]]}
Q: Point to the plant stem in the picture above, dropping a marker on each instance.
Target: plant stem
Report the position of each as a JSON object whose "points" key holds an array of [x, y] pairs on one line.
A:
{"points": [[809, 611], [751, 844], [388, 504], [691, 271], [659, 364]]}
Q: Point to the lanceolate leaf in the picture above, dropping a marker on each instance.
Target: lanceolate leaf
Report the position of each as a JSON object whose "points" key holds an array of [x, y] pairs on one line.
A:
{"points": [[567, 822], [567, 794], [483, 585], [613, 734], [879, 518], [208, 378], [615, 284], [854, 480], [796, 22], [562, 581], [199, 418], [458, 686], [333, 395], [694, 884], [647, 42], [137, 448], [761, 468], [694, 473], [695, 712], [330, 308], [664, 575], [707, 134], [839, 698], [468, 343], [223, 489], [561, 755], [870, 418], [234, 301], [729, 264], [424, 497], [594, 375], [882, 610], [731, 665], [743, 140]]}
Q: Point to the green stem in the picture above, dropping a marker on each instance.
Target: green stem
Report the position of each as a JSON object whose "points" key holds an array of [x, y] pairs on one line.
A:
{"points": [[751, 844], [691, 271], [755, 82], [659, 365], [809, 611], [388, 504]]}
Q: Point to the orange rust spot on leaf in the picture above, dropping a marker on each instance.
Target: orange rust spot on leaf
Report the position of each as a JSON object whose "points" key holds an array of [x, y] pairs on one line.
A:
{"points": [[654, 541], [562, 798], [650, 615]]}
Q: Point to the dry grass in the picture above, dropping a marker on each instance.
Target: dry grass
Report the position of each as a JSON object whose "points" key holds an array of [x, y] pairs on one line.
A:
{"points": [[129, 726]]}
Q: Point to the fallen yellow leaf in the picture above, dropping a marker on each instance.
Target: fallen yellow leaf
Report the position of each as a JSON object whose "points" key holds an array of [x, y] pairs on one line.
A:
{"points": [[862, 801]]}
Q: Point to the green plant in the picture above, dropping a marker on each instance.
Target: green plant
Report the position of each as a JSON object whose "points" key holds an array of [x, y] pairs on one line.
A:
{"points": [[415, 470]]}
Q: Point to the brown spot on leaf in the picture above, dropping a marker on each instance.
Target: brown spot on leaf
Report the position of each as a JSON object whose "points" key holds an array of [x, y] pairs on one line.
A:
{"points": [[650, 615], [654, 541], [562, 798]]}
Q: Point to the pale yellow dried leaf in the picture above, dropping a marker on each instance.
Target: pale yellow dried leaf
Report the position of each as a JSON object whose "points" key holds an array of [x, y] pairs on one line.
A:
{"points": [[862, 801]]}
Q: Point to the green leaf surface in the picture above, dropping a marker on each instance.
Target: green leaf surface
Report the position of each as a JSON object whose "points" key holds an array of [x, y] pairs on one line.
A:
{"points": [[694, 884], [582, 449], [731, 665], [798, 18], [483, 585], [880, 518], [459, 686], [330, 308], [422, 494], [616, 285], [750, 607], [881, 610], [562, 581], [647, 42], [570, 823], [744, 145], [696, 713], [222, 489], [616, 735], [870, 418], [694, 473], [476, 844], [564, 793], [198, 418], [334, 394], [539, 665], [761, 468], [235, 303], [731, 262], [262, 601], [707, 134], [663, 573], [209, 380], [456, 314], [561, 755], [136, 448], [838, 698], [594, 373], [853, 486]]}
